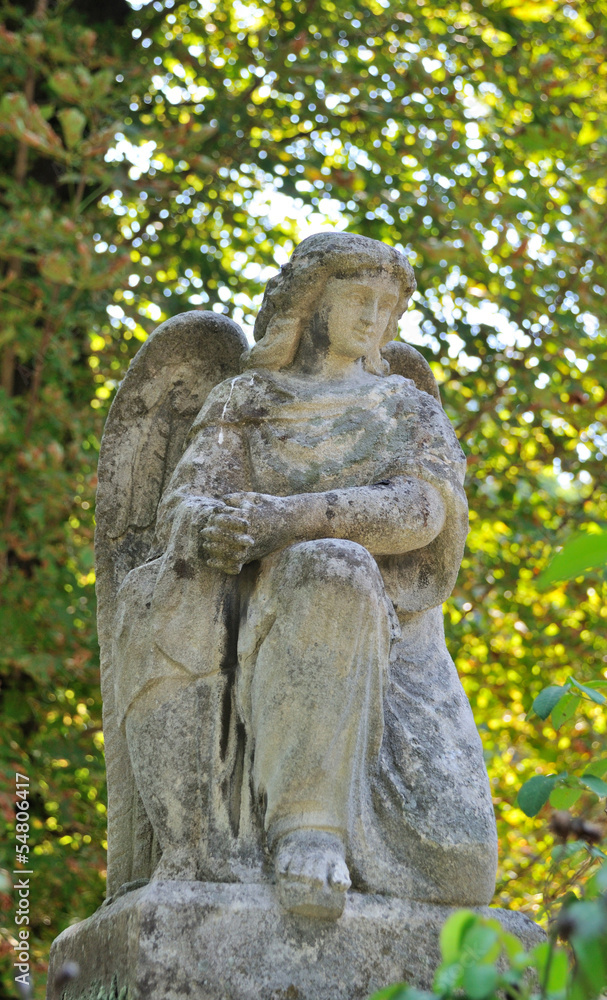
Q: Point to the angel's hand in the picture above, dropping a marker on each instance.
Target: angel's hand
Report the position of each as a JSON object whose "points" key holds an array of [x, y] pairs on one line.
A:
{"points": [[265, 518], [226, 542]]}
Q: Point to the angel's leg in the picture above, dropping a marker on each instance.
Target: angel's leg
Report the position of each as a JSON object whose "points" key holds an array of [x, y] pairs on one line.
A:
{"points": [[164, 735], [312, 692]]}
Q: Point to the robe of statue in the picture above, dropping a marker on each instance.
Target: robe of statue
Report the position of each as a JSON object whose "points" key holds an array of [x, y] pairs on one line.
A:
{"points": [[315, 686]]}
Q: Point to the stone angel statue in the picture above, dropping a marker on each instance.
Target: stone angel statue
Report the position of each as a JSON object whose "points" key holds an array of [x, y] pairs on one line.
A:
{"points": [[277, 529]]}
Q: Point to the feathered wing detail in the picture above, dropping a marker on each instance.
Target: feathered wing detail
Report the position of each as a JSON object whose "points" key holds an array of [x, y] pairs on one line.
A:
{"points": [[406, 361], [154, 408]]}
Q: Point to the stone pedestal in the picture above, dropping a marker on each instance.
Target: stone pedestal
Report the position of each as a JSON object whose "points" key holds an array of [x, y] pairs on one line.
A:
{"points": [[207, 941]]}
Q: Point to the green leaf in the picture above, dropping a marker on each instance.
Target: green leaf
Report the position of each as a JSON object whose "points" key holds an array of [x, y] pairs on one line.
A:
{"points": [[512, 945], [548, 699], [596, 785], [480, 981], [551, 965], [558, 973], [580, 554], [595, 696], [453, 931], [563, 797], [399, 991], [598, 767], [535, 793], [596, 852], [565, 710], [64, 84], [587, 920], [72, 124], [591, 971], [448, 978], [56, 268], [588, 133], [533, 10], [597, 884], [481, 941], [569, 850]]}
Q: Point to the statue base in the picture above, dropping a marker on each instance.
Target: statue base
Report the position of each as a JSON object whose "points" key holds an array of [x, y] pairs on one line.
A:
{"points": [[215, 941]]}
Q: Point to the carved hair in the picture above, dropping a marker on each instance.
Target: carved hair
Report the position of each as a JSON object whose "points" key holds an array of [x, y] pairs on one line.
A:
{"points": [[292, 295]]}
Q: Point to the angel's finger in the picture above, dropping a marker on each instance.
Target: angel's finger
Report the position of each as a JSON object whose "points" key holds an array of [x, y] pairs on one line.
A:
{"points": [[242, 499], [227, 545], [219, 535], [227, 521], [224, 555], [234, 499], [233, 569], [219, 550], [227, 556]]}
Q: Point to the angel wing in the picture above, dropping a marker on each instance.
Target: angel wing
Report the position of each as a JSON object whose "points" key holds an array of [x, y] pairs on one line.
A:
{"points": [[166, 384], [406, 361]]}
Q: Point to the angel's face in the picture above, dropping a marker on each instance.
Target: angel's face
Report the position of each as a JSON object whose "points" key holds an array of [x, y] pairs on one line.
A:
{"points": [[356, 313]]}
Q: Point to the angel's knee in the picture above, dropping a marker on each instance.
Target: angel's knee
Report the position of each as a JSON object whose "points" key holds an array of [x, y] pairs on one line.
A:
{"points": [[339, 562]]}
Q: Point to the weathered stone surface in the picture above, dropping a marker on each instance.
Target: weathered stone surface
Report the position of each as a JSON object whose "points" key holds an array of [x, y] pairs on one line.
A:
{"points": [[166, 384], [275, 674], [210, 941]]}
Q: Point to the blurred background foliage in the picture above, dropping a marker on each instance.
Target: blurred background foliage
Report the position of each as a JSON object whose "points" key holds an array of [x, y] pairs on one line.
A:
{"points": [[166, 156]]}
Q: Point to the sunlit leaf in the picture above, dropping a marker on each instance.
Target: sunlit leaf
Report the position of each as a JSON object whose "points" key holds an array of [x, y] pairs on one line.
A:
{"points": [[535, 793], [595, 696], [453, 931], [579, 555], [565, 710], [548, 699], [595, 784], [73, 123], [480, 981], [564, 797]]}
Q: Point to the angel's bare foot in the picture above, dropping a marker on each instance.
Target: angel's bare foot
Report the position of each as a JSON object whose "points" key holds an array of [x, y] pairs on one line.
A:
{"points": [[311, 874]]}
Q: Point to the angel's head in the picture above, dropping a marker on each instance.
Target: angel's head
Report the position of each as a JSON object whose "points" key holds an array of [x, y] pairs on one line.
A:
{"points": [[339, 292]]}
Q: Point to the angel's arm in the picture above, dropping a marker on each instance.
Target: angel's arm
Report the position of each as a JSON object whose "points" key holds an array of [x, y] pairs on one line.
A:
{"points": [[215, 463], [388, 518]]}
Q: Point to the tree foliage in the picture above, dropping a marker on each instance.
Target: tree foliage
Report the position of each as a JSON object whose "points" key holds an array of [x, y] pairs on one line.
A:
{"points": [[166, 157]]}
